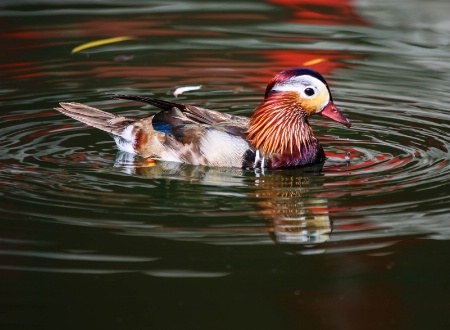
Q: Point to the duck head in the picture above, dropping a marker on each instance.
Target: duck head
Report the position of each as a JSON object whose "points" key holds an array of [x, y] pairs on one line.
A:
{"points": [[279, 124]]}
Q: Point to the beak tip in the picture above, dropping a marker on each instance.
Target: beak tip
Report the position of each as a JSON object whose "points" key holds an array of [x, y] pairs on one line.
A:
{"points": [[332, 112]]}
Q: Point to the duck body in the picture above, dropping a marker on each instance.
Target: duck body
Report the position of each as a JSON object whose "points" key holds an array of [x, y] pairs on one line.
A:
{"points": [[277, 135]]}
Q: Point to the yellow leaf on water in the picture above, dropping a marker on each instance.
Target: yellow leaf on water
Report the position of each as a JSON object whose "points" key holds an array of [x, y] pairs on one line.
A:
{"points": [[100, 42], [314, 61]]}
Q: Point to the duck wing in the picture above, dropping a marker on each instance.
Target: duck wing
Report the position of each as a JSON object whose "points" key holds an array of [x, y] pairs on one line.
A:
{"points": [[179, 132], [177, 117]]}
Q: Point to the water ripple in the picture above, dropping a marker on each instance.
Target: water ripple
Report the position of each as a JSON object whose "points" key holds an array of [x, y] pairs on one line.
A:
{"points": [[61, 172], [392, 150]]}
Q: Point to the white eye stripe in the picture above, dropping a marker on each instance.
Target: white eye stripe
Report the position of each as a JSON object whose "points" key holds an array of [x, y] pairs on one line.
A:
{"points": [[302, 90], [299, 84]]}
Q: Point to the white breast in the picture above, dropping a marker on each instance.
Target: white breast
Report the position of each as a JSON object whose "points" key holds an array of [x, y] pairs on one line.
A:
{"points": [[222, 149]]}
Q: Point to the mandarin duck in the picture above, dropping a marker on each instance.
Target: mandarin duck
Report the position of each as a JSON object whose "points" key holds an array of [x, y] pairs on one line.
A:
{"points": [[276, 135]]}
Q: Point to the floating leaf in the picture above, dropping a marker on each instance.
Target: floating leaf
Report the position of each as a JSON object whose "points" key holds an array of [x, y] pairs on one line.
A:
{"points": [[100, 43], [314, 61], [181, 90]]}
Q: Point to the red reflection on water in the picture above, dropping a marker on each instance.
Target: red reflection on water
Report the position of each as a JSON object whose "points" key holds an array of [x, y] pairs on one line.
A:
{"points": [[21, 70], [323, 61], [207, 68], [17, 66], [232, 17], [326, 12], [108, 27], [146, 26], [25, 116], [233, 69]]}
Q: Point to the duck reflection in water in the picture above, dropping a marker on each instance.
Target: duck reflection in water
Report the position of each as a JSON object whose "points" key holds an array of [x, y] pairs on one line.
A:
{"points": [[286, 198], [294, 213]]}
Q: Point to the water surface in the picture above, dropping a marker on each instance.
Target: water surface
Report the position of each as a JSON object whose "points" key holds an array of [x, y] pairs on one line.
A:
{"points": [[87, 241]]}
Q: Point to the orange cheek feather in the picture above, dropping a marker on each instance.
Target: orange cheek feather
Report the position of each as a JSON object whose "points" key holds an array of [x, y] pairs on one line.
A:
{"points": [[311, 106]]}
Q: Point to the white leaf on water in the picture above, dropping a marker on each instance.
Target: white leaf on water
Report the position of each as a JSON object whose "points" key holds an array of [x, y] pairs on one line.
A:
{"points": [[181, 90]]}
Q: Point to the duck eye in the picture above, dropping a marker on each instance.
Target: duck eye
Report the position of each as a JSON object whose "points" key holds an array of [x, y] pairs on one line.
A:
{"points": [[309, 91]]}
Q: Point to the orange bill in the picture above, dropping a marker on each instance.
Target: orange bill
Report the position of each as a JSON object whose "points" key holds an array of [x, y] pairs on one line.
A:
{"points": [[332, 112]]}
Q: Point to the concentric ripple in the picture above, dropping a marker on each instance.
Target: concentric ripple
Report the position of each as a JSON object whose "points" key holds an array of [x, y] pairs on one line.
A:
{"points": [[65, 173]]}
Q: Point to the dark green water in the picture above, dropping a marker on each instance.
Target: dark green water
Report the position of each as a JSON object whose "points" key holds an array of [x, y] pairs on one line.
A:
{"points": [[87, 242]]}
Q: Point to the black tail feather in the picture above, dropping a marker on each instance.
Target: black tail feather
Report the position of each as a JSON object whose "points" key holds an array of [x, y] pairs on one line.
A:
{"points": [[163, 105]]}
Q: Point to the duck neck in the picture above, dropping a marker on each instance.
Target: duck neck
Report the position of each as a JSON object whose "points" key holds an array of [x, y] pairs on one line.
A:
{"points": [[279, 128]]}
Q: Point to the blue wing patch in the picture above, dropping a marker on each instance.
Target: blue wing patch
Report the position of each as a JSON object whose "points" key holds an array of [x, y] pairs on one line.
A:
{"points": [[161, 126]]}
